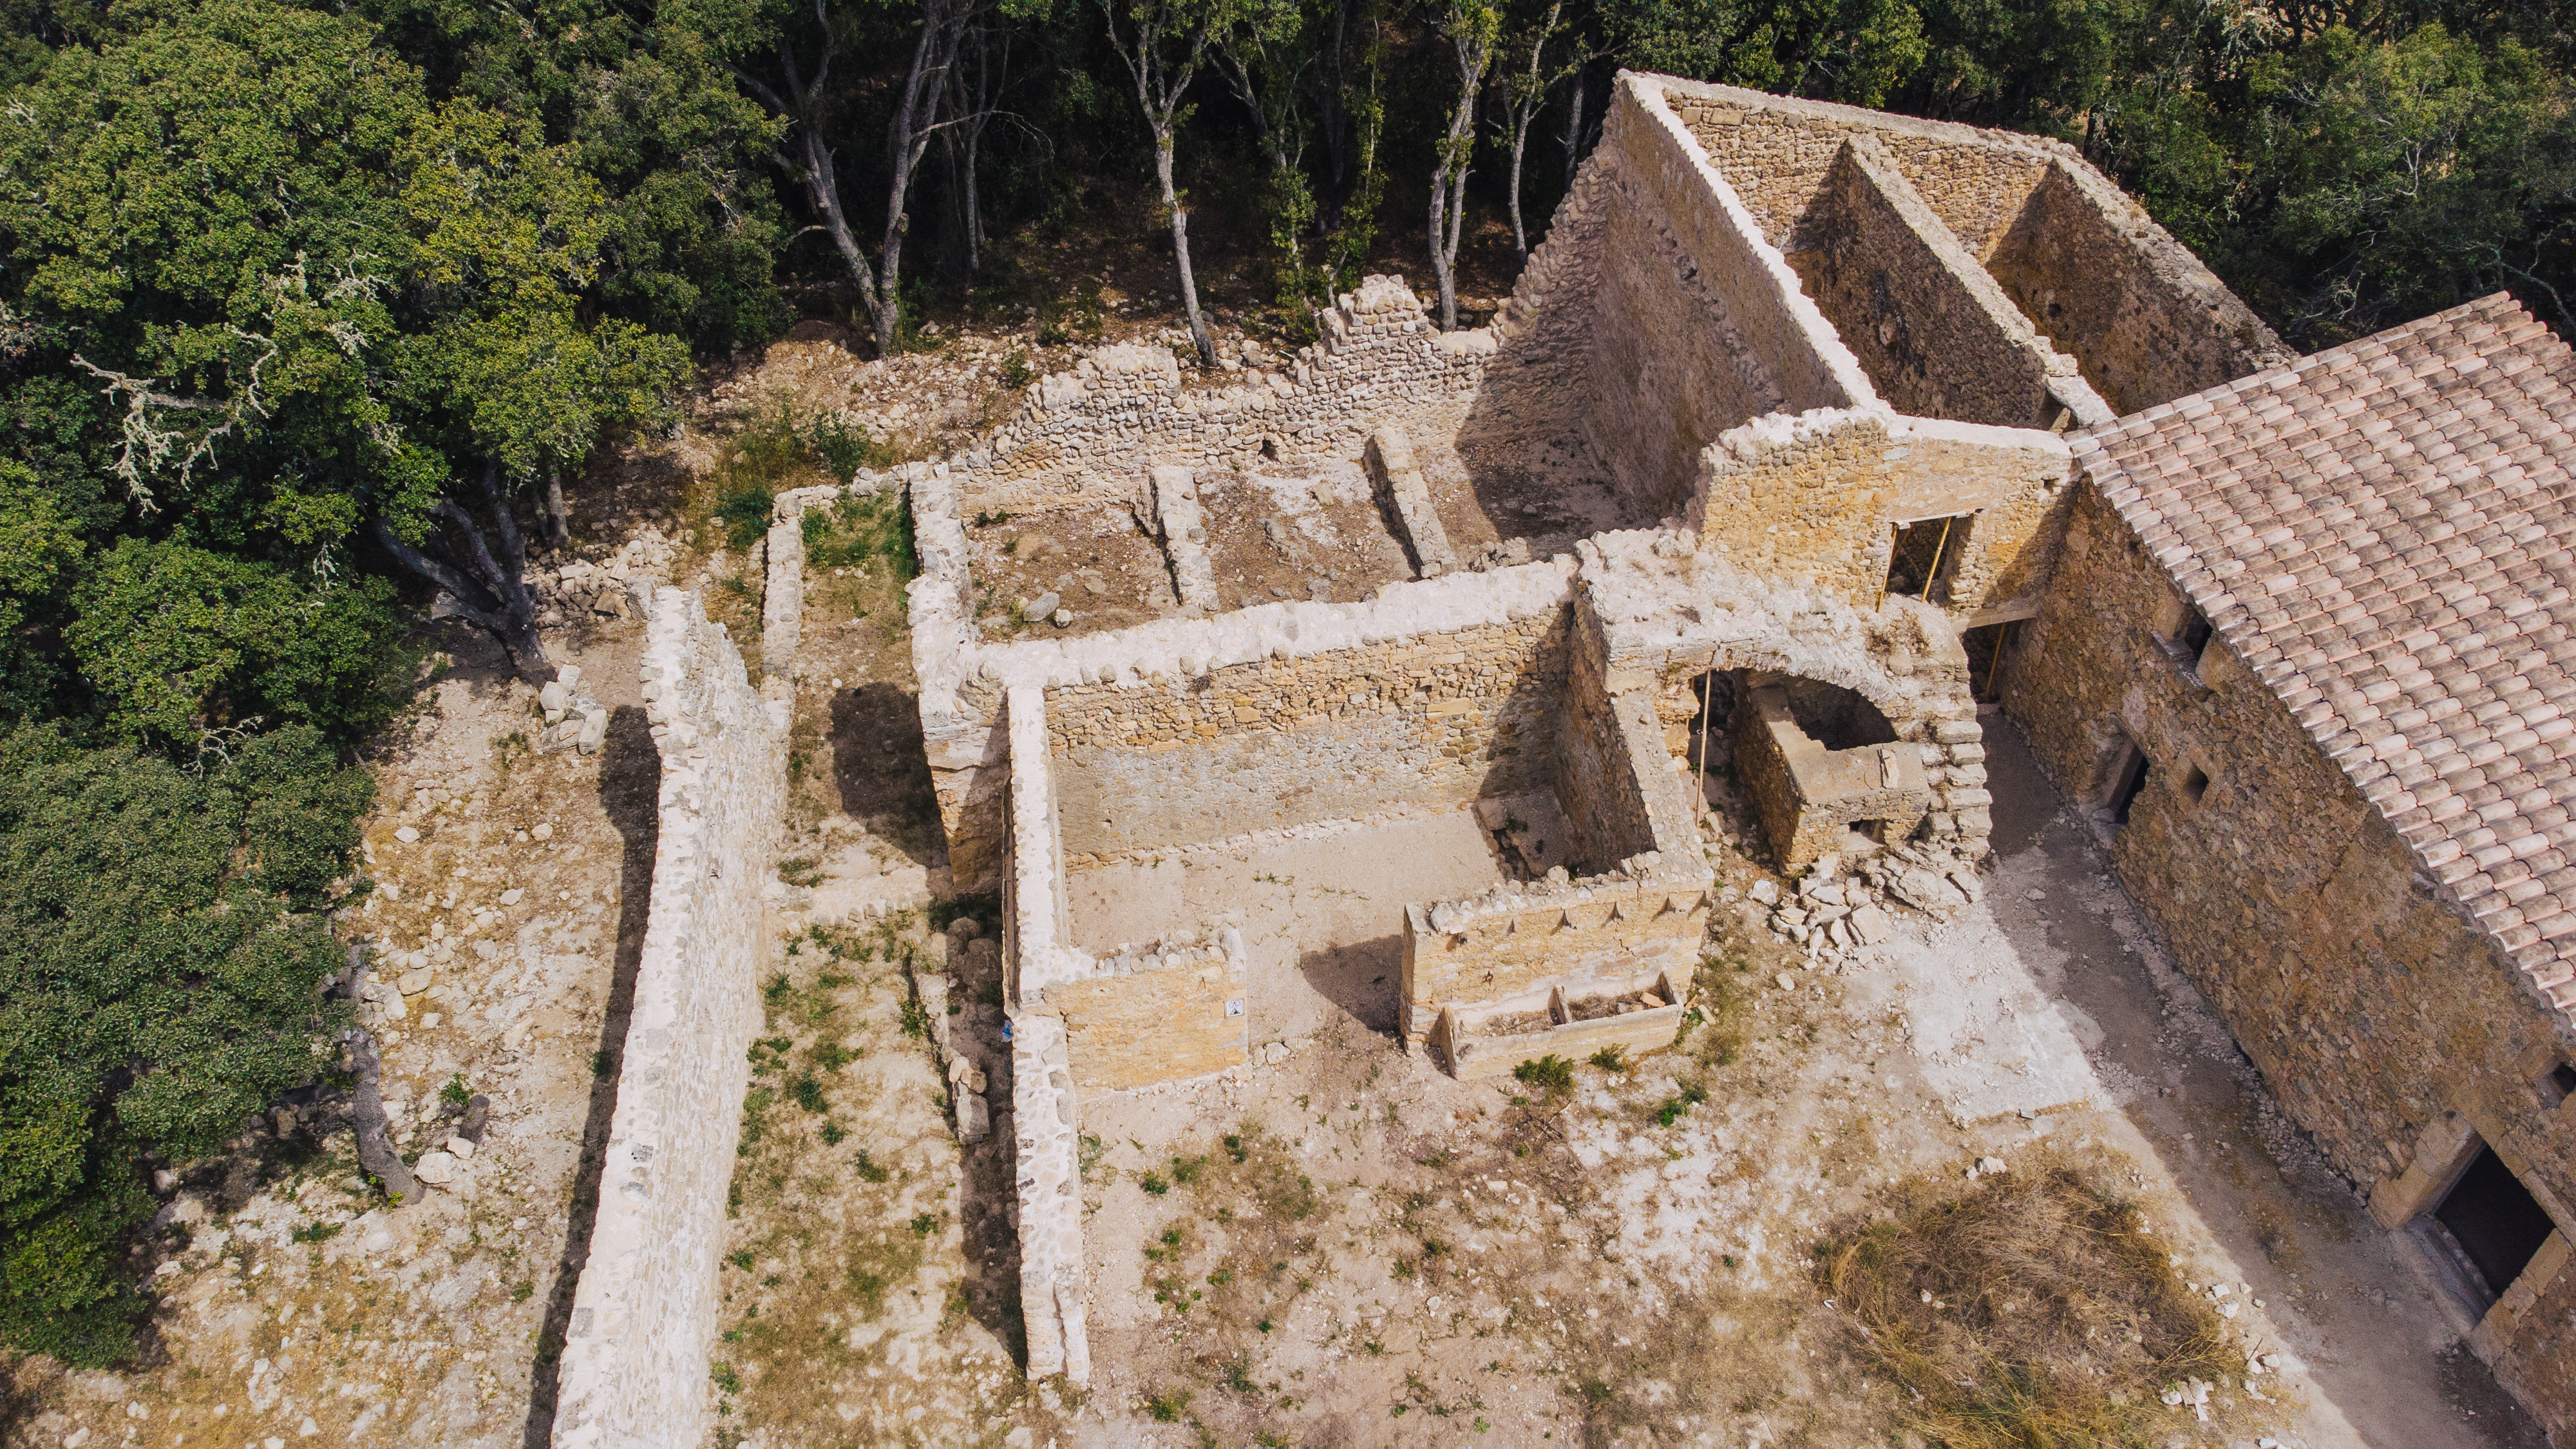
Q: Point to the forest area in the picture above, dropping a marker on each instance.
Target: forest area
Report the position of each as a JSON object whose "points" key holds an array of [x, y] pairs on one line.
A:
{"points": [[309, 312]]}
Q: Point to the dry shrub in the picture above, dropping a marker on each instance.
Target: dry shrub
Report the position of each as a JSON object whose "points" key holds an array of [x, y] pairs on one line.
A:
{"points": [[2053, 1318]]}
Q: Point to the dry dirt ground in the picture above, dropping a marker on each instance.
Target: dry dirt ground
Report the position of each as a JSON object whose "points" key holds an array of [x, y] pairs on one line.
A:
{"points": [[1351, 1248]]}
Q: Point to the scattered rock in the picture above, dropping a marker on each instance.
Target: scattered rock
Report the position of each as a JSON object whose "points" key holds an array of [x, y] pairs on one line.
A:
{"points": [[544, 831], [406, 835], [1871, 924], [1039, 607], [438, 1169], [974, 1118], [414, 982]]}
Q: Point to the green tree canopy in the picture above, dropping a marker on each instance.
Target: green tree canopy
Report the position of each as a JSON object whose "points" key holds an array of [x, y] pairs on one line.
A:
{"points": [[155, 988]]}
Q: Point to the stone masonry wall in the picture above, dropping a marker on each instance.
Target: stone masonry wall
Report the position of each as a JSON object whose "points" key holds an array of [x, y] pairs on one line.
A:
{"points": [[634, 1369], [1438, 718], [1814, 498], [2379, 1016], [1665, 614], [1088, 436], [2145, 319], [1163, 1013], [2150, 323], [1509, 947], [1169, 661], [1937, 336], [1698, 323]]}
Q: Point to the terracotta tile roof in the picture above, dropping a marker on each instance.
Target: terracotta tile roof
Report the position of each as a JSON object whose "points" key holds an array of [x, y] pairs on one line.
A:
{"points": [[2383, 533]]}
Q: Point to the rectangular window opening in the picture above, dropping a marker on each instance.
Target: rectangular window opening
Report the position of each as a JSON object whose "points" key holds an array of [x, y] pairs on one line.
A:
{"points": [[2189, 640], [2131, 779], [2495, 1220], [2559, 1084], [2196, 784], [1926, 557]]}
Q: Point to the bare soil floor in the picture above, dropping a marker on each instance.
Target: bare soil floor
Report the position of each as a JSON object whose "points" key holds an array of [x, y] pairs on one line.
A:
{"points": [[1348, 1247]]}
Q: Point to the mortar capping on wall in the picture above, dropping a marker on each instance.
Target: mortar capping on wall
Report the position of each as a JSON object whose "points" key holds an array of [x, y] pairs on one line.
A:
{"points": [[1637, 879], [1167, 649], [1186, 950]]}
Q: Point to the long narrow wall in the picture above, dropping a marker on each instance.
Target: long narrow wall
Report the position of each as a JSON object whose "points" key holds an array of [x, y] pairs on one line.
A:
{"points": [[2383, 1019], [634, 1369]]}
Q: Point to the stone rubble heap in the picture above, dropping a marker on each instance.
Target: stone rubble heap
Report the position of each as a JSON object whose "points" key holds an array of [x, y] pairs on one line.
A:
{"points": [[580, 588], [1833, 915]]}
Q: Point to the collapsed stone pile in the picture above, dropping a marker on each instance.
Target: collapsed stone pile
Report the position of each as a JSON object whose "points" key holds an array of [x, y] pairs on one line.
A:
{"points": [[1834, 915], [583, 588]]}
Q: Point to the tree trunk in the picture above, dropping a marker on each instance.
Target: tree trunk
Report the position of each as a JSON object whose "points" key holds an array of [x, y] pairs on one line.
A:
{"points": [[1448, 202], [1520, 144], [1199, 337], [374, 1133], [489, 591], [824, 190], [1574, 128], [558, 526]]}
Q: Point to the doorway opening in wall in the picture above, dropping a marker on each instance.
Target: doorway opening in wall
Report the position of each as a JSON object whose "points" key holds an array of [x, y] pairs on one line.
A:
{"points": [[1707, 750], [2494, 1221], [1926, 557], [2127, 783], [1990, 653]]}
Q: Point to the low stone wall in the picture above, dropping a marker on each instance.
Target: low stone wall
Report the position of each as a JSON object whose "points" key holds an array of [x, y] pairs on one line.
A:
{"points": [[1815, 498], [1511, 947], [1406, 499], [634, 1369], [1162, 1012], [1180, 525], [1047, 1138], [1809, 795], [2383, 1018]]}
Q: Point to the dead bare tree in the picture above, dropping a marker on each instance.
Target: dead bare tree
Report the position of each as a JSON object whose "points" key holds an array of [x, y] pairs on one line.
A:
{"points": [[1162, 48], [976, 81], [800, 99]]}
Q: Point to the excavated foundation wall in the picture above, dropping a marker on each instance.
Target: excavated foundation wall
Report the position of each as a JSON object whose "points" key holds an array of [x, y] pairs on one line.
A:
{"points": [[645, 1311], [2383, 1020], [1437, 718]]}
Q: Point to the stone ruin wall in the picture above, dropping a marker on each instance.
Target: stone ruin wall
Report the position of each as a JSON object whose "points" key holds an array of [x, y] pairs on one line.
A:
{"points": [[2373, 1010], [1935, 333], [1444, 717], [2094, 273], [646, 1308], [1087, 437], [1640, 909], [1696, 324], [1166, 1012], [1668, 614], [1810, 498]]}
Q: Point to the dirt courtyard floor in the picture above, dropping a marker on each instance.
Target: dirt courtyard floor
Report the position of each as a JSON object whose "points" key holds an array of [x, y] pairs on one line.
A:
{"points": [[1347, 1247]]}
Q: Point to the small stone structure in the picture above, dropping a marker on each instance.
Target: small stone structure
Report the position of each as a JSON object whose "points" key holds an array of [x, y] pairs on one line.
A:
{"points": [[645, 1311]]}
